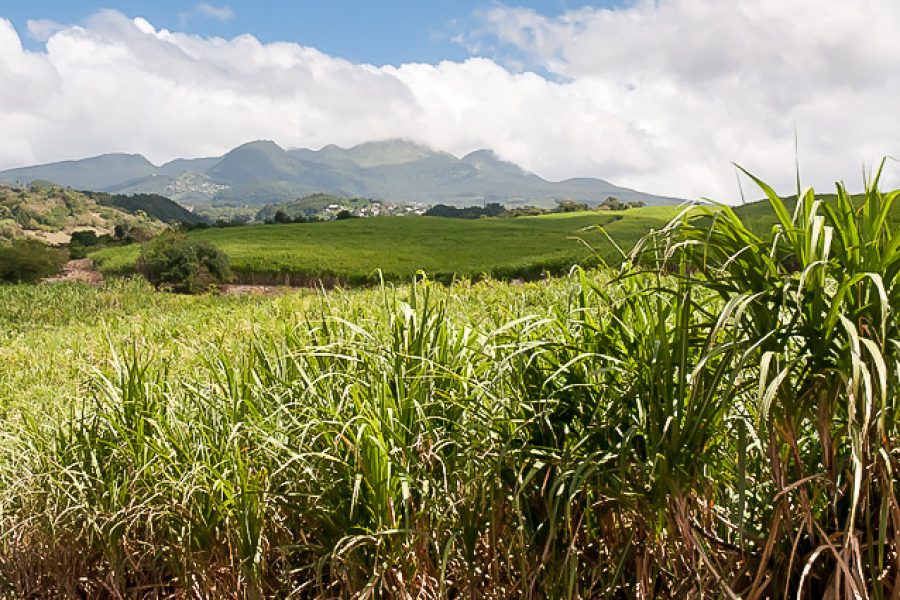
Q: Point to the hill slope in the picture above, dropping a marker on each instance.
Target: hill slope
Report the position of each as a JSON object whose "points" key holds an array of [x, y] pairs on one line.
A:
{"points": [[51, 214], [262, 172], [154, 205]]}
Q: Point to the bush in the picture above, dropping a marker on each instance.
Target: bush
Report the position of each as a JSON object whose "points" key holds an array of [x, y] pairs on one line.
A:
{"points": [[29, 260], [83, 242], [185, 265], [84, 238]]}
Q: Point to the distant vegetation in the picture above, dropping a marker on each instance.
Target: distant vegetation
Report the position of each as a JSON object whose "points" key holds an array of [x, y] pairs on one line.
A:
{"points": [[308, 208], [318, 207], [227, 214], [495, 209], [492, 209]]}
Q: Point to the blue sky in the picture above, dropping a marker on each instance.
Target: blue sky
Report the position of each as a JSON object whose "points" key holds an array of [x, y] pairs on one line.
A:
{"points": [[388, 32]]}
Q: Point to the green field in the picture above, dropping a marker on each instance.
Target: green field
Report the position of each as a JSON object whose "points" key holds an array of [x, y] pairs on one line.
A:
{"points": [[353, 250]]}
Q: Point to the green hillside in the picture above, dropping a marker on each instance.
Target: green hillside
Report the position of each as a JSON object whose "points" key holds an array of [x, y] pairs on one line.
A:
{"points": [[51, 213], [351, 251]]}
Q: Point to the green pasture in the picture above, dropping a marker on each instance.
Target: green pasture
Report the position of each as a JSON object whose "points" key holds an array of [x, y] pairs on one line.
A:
{"points": [[354, 250]]}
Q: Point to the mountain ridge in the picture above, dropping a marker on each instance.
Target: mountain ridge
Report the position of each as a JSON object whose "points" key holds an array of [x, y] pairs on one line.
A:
{"points": [[261, 172]]}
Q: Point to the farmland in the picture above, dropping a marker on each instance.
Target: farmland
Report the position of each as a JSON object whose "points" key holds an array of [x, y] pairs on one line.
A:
{"points": [[718, 417], [351, 251]]}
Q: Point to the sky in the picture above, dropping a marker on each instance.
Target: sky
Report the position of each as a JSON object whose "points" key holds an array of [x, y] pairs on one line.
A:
{"points": [[659, 95]]}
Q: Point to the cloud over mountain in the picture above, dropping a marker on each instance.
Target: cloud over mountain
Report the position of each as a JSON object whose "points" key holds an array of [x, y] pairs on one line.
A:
{"points": [[660, 96]]}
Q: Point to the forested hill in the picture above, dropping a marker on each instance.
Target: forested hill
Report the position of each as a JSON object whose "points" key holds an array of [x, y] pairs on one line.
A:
{"points": [[156, 206]]}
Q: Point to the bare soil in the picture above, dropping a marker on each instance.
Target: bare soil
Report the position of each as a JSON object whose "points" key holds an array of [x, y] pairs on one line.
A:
{"points": [[81, 269]]}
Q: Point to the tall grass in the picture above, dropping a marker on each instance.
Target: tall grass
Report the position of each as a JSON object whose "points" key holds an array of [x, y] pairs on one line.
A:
{"points": [[716, 419]]}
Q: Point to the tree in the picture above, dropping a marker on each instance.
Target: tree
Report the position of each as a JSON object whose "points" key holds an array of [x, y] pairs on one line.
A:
{"points": [[85, 237], [281, 217], [612, 203], [566, 206]]}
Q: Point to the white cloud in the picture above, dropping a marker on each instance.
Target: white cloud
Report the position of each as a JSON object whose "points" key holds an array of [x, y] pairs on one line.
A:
{"points": [[661, 96], [41, 29], [220, 13], [707, 82]]}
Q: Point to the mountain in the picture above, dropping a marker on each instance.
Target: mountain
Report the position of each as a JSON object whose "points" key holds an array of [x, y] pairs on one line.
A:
{"points": [[262, 172], [256, 161], [178, 166], [99, 172]]}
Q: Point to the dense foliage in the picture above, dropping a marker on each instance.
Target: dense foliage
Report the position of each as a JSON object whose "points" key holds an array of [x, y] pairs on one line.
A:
{"points": [[28, 260], [719, 418], [490, 209], [188, 265]]}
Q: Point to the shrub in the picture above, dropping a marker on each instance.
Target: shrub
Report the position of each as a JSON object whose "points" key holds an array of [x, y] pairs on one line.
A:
{"points": [[83, 242], [84, 238], [185, 265], [29, 260]]}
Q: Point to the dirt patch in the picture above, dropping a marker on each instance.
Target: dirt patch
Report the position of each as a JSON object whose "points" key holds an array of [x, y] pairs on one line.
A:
{"points": [[81, 269], [60, 238], [54, 238]]}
